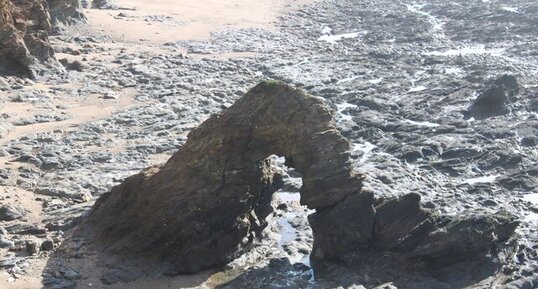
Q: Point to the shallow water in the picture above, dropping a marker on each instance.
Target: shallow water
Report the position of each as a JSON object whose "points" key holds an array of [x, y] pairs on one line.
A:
{"points": [[288, 233], [533, 198], [437, 25], [343, 106]]}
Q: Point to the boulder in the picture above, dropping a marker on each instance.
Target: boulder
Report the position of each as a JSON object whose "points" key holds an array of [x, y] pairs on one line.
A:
{"points": [[494, 100]]}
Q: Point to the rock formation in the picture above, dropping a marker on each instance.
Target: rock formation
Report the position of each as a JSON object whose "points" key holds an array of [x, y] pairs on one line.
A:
{"points": [[65, 11], [209, 202], [24, 27], [102, 4], [494, 100], [24, 32]]}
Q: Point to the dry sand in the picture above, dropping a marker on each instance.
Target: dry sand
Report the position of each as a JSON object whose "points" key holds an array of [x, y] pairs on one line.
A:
{"points": [[185, 19]]}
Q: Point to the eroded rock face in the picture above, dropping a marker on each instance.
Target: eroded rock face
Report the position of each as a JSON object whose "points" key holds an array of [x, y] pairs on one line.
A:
{"points": [[209, 202], [24, 28]]}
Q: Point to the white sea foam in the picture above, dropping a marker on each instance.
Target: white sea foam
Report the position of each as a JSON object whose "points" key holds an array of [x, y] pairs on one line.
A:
{"points": [[338, 37], [375, 80], [468, 50], [417, 88], [366, 148], [422, 123], [533, 198], [483, 179], [510, 9]]}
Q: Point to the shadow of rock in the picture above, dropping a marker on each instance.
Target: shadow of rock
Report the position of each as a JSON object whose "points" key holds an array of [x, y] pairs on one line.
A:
{"points": [[73, 265]]}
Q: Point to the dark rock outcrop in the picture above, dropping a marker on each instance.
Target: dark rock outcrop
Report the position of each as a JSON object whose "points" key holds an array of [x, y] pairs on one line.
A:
{"points": [[102, 4], [66, 11], [494, 100], [73, 65], [209, 202], [24, 28]]}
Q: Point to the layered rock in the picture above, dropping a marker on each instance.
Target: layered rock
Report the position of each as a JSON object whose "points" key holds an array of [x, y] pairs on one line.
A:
{"points": [[209, 202], [24, 28]]}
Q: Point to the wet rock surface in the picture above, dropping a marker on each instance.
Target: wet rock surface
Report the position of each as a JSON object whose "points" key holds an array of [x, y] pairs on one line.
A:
{"points": [[401, 77]]}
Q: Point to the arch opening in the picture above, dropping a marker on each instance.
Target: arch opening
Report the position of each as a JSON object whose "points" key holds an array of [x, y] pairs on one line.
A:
{"points": [[295, 235]]}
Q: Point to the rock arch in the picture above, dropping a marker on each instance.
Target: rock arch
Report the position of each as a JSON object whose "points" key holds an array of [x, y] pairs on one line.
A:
{"points": [[209, 202]]}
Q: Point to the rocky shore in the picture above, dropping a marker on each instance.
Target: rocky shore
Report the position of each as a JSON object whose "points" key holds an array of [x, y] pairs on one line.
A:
{"points": [[438, 99]]}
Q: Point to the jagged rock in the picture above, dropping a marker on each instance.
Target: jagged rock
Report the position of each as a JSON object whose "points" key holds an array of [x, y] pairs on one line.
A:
{"points": [[117, 275], [47, 245], [10, 213], [24, 28], [223, 168], [66, 11], [26, 229], [208, 203], [5, 243], [495, 99]]}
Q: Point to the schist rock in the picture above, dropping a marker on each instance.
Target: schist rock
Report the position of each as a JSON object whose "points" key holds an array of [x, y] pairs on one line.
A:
{"points": [[209, 202]]}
